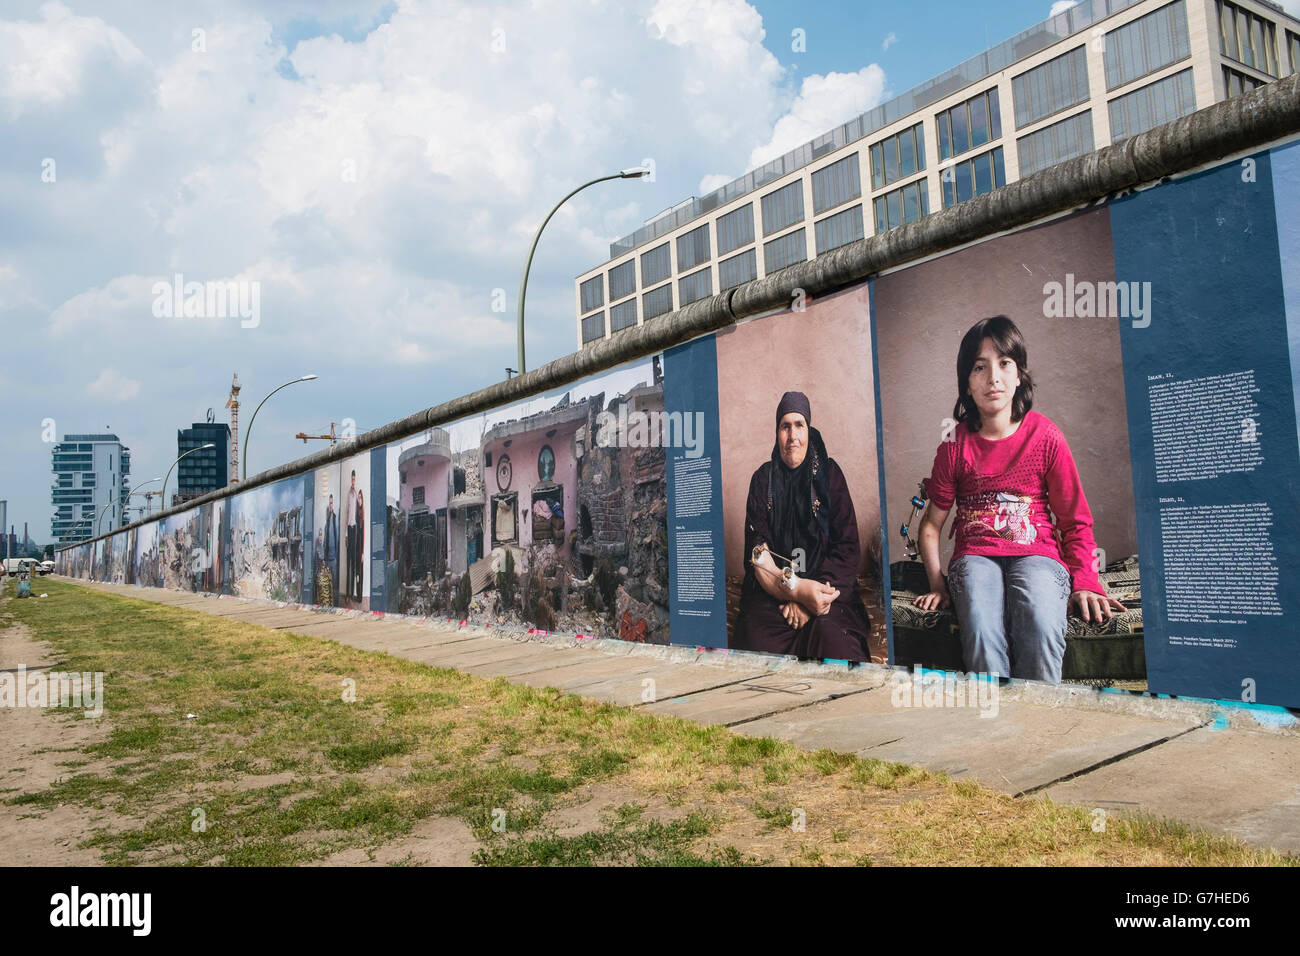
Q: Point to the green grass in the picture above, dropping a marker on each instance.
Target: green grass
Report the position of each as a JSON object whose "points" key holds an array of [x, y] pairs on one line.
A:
{"points": [[285, 770]]}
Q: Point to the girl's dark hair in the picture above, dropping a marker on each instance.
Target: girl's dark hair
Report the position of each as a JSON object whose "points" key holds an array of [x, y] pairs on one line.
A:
{"points": [[1010, 343]]}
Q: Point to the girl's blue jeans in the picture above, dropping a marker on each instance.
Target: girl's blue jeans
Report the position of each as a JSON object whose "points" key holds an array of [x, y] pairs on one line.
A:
{"points": [[1012, 614]]}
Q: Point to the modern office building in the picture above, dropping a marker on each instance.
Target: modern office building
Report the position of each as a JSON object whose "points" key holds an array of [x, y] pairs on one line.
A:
{"points": [[206, 470], [1102, 71], [91, 475]]}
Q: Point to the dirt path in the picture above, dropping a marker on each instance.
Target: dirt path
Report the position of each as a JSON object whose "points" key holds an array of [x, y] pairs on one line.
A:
{"points": [[35, 746]]}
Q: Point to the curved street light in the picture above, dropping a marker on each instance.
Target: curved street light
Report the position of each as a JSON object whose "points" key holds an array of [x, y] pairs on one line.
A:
{"points": [[146, 494], [249, 430], [163, 492], [99, 524], [636, 172]]}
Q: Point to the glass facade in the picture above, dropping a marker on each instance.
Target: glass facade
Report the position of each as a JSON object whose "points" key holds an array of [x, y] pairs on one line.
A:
{"points": [[1160, 102], [1026, 43], [1054, 86], [898, 156], [1247, 38], [737, 270], [593, 327], [973, 177], [657, 301], [592, 293], [77, 495], [1147, 44], [785, 251], [622, 316], [736, 229], [1090, 60], [839, 229], [696, 286], [206, 469], [655, 265], [836, 184], [1055, 144], [902, 205], [1236, 82], [969, 125], [783, 208], [622, 280], [693, 248]]}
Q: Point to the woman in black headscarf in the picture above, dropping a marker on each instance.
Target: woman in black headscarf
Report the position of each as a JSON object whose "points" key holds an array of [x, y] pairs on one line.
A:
{"points": [[800, 515]]}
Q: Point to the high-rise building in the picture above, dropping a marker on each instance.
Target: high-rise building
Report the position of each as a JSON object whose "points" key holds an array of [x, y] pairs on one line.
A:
{"points": [[1094, 75], [205, 470], [91, 475]]}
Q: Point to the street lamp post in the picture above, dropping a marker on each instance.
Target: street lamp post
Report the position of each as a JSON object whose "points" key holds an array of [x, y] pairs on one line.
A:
{"points": [[145, 493], [249, 430], [169, 471], [636, 172]]}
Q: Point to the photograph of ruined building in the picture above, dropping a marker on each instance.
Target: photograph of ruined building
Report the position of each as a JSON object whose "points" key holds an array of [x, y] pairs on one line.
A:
{"points": [[264, 542], [523, 517], [144, 556], [178, 543], [117, 559]]}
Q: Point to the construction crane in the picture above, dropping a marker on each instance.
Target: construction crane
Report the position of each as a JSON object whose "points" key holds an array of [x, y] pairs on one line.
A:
{"points": [[331, 437], [232, 403]]}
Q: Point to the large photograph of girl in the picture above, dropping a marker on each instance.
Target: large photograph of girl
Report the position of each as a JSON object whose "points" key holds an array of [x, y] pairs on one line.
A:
{"points": [[1007, 475]]}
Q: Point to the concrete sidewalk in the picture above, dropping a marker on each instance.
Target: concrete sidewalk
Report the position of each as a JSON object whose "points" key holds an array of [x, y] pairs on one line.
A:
{"points": [[1232, 769]]}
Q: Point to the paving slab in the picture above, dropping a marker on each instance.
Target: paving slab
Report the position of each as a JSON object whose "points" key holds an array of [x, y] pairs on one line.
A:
{"points": [[556, 657], [280, 616], [628, 688], [1017, 748], [409, 640], [327, 627], [252, 612], [1241, 783], [481, 651], [440, 654], [757, 697], [583, 675]]}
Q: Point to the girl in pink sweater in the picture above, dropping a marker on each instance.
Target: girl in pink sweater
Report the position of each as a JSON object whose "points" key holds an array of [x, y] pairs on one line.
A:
{"points": [[1015, 573]]}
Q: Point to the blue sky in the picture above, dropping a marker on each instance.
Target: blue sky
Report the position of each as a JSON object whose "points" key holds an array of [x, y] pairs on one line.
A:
{"points": [[377, 169]]}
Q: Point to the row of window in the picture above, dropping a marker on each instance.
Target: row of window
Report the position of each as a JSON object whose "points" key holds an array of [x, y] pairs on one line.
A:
{"points": [[1133, 50], [1138, 48], [1147, 44], [1248, 38], [779, 253]]}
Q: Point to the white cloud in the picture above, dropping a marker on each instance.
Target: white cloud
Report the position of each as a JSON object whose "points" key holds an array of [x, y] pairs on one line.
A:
{"points": [[889, 41], [112, 386], [46, 62], [824, 102], [1060, 6], [379, 179], [1291, 6], [714, 181]]}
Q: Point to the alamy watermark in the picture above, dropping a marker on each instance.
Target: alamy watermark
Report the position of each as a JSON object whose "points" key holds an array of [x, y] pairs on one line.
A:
{"points": [[54, 689], [651, 429], [934, 689], [231, 299], [1098, 300]]}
